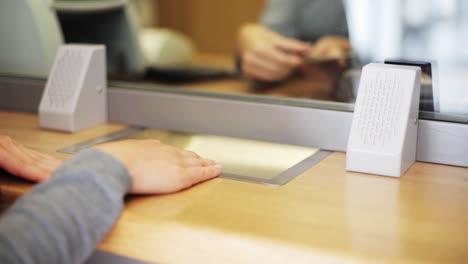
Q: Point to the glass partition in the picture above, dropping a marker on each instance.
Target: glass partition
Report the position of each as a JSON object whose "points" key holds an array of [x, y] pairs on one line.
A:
{"points": [[203, 47]]}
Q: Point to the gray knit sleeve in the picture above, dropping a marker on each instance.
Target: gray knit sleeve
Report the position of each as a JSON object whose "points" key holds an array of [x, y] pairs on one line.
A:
{"points": [[62, 219]]}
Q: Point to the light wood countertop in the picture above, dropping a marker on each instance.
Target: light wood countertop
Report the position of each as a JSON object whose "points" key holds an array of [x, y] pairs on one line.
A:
{"points": [[325, 215]]}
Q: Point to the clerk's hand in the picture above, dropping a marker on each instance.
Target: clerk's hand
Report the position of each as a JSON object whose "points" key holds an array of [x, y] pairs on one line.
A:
{"points": [[331, 47], [158, 168], [24, 162], [269, 56]]}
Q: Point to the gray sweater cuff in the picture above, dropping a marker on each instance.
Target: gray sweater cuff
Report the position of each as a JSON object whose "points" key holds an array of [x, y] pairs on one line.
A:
{"points": [[109, 169]]}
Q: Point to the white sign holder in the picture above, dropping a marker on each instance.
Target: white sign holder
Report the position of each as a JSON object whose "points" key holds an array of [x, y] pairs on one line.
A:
{"points": [[384, 129], [75, 96]]}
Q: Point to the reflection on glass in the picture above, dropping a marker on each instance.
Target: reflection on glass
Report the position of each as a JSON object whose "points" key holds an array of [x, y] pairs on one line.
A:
{"points": [[433, 31], [300, 49]]}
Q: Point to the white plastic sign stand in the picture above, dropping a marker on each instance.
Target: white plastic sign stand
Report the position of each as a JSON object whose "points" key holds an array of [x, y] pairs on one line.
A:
{"points": [[75, 96], [385, 121]]}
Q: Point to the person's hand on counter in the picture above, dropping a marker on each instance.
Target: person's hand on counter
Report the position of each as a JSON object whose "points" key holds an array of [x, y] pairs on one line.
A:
{"points": [[267, 55], [84, 197], [158, 168], [153, 166], [24, 162]]}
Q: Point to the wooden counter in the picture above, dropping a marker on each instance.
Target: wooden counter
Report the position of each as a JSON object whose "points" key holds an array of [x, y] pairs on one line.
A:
{"points": [[326, 215]]}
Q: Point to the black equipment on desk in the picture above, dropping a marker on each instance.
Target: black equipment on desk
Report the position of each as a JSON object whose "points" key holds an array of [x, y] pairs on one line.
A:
{"points": [[187, 74], [426, 101]]}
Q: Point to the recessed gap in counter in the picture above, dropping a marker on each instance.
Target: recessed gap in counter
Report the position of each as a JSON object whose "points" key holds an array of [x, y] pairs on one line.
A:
{"points": [[242, 159]]}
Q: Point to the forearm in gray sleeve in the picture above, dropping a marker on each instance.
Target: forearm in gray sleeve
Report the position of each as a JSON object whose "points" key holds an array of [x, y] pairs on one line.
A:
{"points": [[62, 219]]}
